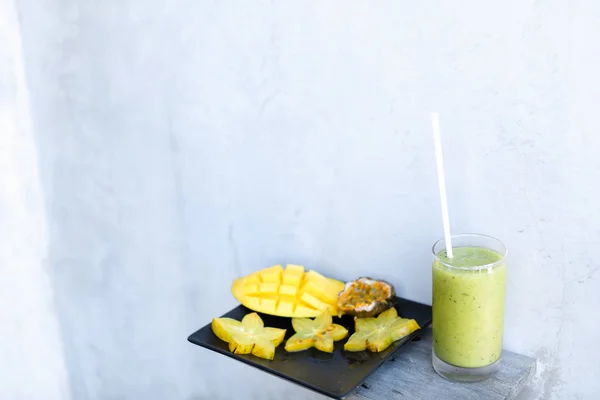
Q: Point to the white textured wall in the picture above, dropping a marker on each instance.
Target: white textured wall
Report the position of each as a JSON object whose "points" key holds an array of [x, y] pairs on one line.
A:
{"points": [[31, 354], [184, 143]]}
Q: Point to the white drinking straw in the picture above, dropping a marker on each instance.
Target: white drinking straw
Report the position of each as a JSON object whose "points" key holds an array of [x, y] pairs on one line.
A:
{"points": [[435, 120]]}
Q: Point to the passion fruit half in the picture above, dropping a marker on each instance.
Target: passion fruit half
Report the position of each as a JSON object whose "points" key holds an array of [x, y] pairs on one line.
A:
{"points": [[365, 297]]}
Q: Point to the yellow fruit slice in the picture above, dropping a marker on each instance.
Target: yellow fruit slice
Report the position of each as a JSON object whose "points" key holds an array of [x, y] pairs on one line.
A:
{"points": [[377, 334], [319, 333], [248, 336], [224, 327], [272, 274], [288, 292]]}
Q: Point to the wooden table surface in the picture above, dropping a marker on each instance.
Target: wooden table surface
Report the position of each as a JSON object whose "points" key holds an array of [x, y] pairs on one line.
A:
{"points": [[411, 376]]}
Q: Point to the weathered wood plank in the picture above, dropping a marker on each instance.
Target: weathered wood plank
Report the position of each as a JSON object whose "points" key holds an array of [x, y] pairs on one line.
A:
{"points": [[411, 376]]}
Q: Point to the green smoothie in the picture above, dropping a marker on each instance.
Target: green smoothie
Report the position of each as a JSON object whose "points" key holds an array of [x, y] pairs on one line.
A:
{"points": [[468, 307]]}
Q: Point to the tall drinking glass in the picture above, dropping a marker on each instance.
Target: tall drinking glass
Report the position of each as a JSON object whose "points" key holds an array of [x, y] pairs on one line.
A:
{"points": [[468, 307]]}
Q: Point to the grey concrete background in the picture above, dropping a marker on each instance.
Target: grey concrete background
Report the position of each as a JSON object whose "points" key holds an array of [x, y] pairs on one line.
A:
{"points": [[152, 151]]}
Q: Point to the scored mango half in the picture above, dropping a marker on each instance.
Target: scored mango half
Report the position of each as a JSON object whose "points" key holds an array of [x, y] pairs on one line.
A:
{"points": [[248, 336], [289, 292], [377, 334], [319, 333]]}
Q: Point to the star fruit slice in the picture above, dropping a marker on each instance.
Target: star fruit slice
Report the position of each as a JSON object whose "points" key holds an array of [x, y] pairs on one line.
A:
{"points": [[319, 333], [249, 336], [377, 334]]}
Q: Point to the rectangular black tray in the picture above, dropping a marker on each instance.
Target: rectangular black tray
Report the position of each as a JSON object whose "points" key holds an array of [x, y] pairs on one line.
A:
{"points": [[332, 374]]}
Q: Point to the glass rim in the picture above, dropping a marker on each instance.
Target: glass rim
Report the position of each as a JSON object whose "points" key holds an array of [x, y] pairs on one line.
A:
{"points": [[503, 254]]}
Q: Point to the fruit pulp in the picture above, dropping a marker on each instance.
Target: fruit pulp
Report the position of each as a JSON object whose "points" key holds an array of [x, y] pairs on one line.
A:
{"points": [[289, 292]]}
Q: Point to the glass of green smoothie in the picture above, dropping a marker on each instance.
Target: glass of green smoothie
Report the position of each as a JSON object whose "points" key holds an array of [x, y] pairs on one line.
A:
{"points": [[468, 307]]}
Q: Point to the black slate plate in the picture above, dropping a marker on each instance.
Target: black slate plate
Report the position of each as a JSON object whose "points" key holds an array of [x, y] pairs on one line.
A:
{"points": [[334, 375]]}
